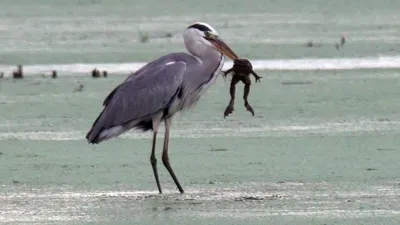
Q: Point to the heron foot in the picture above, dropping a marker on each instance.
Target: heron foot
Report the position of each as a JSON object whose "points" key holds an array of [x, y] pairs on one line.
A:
{"points": [[229, 109], [249, 108]]}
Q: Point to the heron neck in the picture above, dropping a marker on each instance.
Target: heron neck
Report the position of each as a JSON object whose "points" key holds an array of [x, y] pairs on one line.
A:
{"points": [[208, 70], [211, 60], [201, 77]]}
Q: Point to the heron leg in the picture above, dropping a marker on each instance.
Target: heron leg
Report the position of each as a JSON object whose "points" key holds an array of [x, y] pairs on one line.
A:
{"points": [[165, 157], [232, 90], [153, 159], [247, 82]]}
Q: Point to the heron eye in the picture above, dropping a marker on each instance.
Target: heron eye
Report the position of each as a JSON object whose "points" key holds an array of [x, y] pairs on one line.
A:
{"points": [[208, 34]]}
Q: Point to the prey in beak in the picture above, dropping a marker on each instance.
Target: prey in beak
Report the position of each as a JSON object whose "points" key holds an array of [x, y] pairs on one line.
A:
{"points": [[241, 71], [221, 46]]}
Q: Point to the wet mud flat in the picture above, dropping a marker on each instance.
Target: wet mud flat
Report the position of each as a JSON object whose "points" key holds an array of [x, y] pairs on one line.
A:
{"points": [[285, 202]]}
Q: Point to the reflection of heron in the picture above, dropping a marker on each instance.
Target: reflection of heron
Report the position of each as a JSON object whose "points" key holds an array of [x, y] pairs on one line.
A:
{"points": [[161, 88]]}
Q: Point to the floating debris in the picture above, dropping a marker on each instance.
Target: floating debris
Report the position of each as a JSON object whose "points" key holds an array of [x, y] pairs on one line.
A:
{"points": [[219, 149], [95, 73], [342, 40], [1, 75], [311, 44], [54, 74], [18, 74], [386, 149], [144, 37], [295, 82], [105, 73], [79, 88], [168, 35]]}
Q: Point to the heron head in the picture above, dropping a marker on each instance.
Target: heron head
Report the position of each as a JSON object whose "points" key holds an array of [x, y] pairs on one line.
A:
{"points": [[208, 35]]}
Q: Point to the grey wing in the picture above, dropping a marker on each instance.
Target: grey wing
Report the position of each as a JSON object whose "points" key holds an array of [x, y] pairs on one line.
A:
{"points": [[178, 56], [140, 97], [145, 69]]}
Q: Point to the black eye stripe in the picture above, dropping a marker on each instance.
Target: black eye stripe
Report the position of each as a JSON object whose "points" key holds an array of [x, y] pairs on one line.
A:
{"points": [[200, 27]]}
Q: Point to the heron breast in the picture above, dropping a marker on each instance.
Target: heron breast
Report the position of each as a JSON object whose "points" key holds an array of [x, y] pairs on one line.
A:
{"points": [[213, 77]]}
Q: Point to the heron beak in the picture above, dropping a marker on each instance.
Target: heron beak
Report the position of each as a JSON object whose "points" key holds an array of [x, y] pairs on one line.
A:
{"points": [[222, 47]]}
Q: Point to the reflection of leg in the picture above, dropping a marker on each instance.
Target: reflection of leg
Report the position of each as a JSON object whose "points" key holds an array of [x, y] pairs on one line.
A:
{"points": [[165, 157], [247, 82], [232, 90]]}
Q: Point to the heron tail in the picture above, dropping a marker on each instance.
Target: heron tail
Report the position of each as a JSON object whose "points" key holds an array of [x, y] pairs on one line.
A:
{"points": [[89, 138], [99, 133], [104, 134], [94, 132]]}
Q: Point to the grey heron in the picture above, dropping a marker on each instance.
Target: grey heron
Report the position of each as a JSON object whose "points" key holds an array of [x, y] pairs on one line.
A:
{"points": [[161, 88]]}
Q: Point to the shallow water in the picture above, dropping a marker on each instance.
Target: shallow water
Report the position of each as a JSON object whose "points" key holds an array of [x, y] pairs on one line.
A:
{"points": [[283, 202], [322, 148]]}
